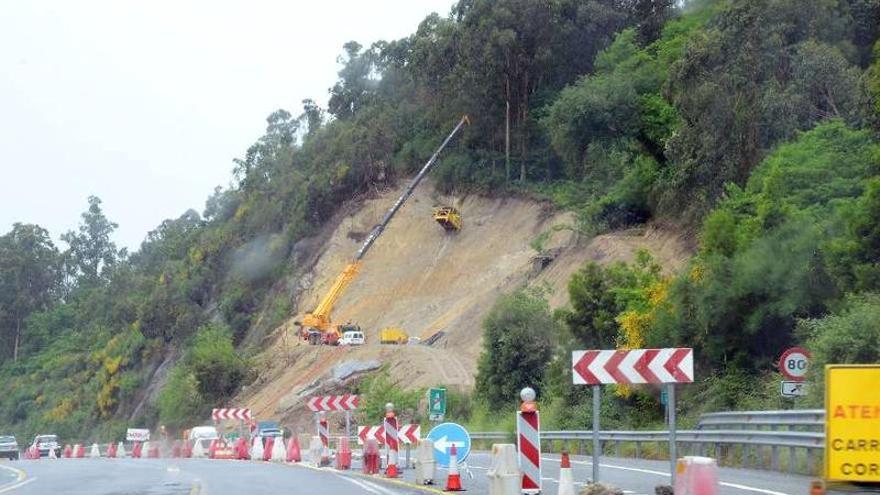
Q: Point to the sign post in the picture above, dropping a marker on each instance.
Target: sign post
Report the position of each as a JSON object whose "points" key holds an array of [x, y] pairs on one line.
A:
{"points": [[436, 404], [632, 367], [597, 446]]}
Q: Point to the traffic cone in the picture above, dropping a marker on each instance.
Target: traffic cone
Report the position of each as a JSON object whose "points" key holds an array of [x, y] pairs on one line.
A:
{"points": [[95, 452], [67, 452], [293, 451], [566, 480], [453, 482], [267, 449]]}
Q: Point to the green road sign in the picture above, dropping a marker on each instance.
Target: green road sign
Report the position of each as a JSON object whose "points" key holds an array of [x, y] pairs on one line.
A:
{"points": [[436, 404]]}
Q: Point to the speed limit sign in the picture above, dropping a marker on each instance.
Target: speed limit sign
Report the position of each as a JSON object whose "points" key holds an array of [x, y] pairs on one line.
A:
{"points": [[794, 363]]}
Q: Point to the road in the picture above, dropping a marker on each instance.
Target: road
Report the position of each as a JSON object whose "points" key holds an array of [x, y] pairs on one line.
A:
{"points": [[202, 476]]}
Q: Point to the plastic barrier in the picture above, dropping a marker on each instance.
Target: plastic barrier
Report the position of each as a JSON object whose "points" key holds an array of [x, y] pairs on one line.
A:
{"points": [[371, 456], [187, 450], [198, 450], [257, 449], [79, 451], [241, 449], [153, 451], [267, 449], [343, 453], [316, 450], [696, 476], [120, 450], [95, 451], [279, 452], [293, 451], [136, 450], [425, 463], [67, 452], [504, 474], [453, 482], [52, 454], [111, 450], [176, 450]]}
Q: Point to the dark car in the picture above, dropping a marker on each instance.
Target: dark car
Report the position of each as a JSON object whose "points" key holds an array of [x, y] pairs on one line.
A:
{"points": [[8, 447]]}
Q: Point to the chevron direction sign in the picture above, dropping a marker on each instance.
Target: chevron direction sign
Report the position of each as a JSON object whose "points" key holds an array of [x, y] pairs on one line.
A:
{"points": [[345, 402], [231, 413], [633, 366]]}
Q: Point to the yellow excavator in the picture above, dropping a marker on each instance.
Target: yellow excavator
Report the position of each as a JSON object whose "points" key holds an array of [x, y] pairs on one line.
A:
{"points": [[316, 326]]}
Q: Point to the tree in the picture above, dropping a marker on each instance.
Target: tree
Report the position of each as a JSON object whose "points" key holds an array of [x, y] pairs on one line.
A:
{"points": [[29, 276], [517, 343], [91, 251]]}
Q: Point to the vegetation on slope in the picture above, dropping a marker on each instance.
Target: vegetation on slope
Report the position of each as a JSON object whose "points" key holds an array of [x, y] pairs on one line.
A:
{"points": [[753, 121]]}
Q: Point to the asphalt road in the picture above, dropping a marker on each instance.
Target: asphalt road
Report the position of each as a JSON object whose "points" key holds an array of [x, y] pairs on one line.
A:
{"points": [[202, 476]]}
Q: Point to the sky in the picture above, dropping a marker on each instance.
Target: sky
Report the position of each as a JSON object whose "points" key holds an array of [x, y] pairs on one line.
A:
{"points": [[145, 103]]}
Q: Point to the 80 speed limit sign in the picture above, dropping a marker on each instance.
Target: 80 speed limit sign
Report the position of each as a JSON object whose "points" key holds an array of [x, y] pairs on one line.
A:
{"points": [[794, 363]]}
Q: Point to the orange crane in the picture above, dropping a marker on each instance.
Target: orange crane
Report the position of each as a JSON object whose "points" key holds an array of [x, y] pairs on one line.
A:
{"points": [[316, 326]]}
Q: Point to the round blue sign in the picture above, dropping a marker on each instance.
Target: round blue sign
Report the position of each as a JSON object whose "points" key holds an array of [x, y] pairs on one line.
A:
{"points": [[444, 436]]}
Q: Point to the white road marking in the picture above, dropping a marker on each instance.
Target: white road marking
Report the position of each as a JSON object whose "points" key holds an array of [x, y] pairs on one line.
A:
{"points": [[17, 485], [368, 486], [661, 473]]}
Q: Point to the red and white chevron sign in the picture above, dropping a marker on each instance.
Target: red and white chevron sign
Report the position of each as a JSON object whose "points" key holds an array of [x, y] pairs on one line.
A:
{"points": [[375, 432], [231, 413], [410, 433], [345, 402], [670, 365]]}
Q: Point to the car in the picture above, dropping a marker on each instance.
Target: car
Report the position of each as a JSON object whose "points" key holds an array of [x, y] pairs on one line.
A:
{"points": [[204, 435], [45, 443], [8, 447], [352, 338]]}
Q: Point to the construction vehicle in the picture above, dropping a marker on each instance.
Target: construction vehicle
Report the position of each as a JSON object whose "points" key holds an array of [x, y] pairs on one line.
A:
{"points": [[393, 335], [448, 217], [316, 327]]}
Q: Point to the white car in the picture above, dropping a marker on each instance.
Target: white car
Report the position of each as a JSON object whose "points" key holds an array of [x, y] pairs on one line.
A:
{"points": [[204, 435], [352, 338]]}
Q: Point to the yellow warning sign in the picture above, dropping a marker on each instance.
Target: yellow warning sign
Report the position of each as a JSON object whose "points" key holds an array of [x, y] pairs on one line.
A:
{"points": [[852, 422]]}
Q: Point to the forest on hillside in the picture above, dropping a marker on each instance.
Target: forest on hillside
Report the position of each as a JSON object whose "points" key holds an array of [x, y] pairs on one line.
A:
{"points": [[752, 124]]}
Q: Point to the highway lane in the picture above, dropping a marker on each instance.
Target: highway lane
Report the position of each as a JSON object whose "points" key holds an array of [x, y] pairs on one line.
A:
{"points": [[185, 476], [634, 476], [202, 476]]}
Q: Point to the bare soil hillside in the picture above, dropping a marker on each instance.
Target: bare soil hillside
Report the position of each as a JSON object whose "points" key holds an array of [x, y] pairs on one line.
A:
{"points": [[422, 279]]}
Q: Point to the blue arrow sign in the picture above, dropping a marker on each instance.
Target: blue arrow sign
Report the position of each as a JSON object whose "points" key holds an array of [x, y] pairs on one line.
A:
{"points": [[444, 436]]}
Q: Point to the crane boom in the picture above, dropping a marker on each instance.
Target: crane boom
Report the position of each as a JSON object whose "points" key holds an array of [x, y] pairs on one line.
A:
{"points": [[319, 319], [378, 229]]}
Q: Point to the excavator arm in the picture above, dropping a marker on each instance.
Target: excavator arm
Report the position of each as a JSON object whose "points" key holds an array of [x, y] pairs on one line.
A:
{"points": [[319, 319]]}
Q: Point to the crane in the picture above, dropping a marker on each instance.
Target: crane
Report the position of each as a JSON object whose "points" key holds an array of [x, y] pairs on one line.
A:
{"points": [[316, 326]]}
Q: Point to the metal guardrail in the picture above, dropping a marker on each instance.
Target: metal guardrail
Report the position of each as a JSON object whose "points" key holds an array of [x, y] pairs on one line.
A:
{"points": [[756, 439]]}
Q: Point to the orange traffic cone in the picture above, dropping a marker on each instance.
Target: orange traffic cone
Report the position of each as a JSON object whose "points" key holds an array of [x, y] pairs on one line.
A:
{"points": [[453, 482], [566, 479]]}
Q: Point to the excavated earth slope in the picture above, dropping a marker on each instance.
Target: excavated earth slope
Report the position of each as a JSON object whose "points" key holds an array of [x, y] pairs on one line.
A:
{"points": [[424, 280]]}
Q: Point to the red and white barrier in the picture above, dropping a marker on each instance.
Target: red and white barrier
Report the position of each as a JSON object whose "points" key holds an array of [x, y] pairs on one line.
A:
{"points": [[376, 433], [95, 451], [391, 440], [528, 439], [324, 435], [279, 453], [79, 451], [293, 451]]}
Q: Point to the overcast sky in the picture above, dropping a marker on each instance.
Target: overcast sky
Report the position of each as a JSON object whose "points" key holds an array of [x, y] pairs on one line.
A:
{"points": [[146, 103]]}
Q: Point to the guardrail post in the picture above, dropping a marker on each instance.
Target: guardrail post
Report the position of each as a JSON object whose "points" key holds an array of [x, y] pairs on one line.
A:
{"points": [[638, 450], [617, 448], [580, 447], [810, 461], [792, 460], [774, 452]]}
